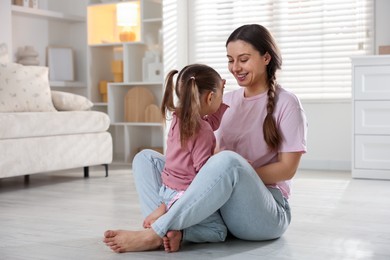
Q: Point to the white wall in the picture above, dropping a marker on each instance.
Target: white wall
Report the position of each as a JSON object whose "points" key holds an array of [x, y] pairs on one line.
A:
{"points": [[5, 20], [382, 21], [329, 135]]}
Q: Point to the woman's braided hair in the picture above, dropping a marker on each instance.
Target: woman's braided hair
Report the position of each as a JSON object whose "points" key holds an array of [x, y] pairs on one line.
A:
{"points": [[261, 39]]}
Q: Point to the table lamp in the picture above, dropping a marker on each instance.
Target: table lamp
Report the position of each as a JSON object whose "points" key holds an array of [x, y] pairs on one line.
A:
{"points": [[127, 18]]}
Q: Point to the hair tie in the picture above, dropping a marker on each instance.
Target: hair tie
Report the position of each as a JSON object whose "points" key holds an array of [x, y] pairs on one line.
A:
{"points": [[192, 77]]}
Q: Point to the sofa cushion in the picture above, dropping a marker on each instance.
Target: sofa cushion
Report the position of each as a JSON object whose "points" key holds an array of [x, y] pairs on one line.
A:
{"points": [[24, 88], [33, 124], [64, 101]]}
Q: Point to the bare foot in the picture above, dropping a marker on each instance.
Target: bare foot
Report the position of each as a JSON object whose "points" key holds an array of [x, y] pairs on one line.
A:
{"points": [[131, 241], [154, 216], [172, 241]]}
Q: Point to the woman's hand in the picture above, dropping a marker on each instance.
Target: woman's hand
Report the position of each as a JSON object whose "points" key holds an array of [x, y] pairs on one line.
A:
{"points": [[282, 170]]}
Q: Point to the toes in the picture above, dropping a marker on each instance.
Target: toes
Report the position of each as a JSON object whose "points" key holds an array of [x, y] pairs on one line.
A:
{"points": [[166, 244], [116, 249], [110, 244], [108, 240], [109, 233]]}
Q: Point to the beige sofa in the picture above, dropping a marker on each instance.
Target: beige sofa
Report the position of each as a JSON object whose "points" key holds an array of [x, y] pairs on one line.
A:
{"points": [[36, 142], [43, 130]]}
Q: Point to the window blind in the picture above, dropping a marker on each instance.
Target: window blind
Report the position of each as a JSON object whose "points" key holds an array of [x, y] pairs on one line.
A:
{"points": [[316, 39], [170, 28]]}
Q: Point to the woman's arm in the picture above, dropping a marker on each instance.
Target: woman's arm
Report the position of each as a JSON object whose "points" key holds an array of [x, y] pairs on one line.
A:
{"points": [[282, 170]]}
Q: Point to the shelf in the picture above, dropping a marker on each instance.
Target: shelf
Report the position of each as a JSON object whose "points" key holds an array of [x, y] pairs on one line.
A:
{"points": [[100, 104], [115, 44], [105, 46], [68, 84], [139, 83], [110, 22], [137, 124], [153, 20], [46, 14]]}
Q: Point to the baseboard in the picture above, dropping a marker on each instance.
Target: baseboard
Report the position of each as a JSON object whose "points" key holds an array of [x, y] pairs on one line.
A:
{"points": [[331, 165]]}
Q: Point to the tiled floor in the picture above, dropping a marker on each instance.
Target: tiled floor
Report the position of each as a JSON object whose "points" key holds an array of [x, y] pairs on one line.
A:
{"points": [[63, 216]]}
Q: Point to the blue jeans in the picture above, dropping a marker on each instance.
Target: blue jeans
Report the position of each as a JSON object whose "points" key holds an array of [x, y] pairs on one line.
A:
{"points": [[227, 186], [211, 229]]}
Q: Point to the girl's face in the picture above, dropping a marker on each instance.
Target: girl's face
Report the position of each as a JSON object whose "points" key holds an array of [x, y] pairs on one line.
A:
{"points": [[247, 65], [212, 100]]}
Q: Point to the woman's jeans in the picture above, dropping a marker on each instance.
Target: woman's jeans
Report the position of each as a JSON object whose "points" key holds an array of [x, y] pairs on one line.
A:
{"points": [[227, 186], [212, 229]]}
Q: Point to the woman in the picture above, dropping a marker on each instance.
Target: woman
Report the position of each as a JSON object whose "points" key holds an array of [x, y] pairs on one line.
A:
{"points": [[262, 137]]}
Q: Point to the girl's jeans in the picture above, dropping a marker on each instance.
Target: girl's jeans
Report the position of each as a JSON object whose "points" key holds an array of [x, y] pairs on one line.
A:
{"points": [[227, 186]]}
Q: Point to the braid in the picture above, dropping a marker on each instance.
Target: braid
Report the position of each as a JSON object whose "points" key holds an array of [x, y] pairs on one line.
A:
{"points": [[271, 133]]}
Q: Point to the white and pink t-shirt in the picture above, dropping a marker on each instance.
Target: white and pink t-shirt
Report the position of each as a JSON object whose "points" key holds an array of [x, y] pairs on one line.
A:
{"points": [[241, 129]]}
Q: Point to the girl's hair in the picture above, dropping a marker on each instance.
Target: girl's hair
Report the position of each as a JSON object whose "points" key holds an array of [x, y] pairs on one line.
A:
{"points": [[192, 81], [261, 39]]}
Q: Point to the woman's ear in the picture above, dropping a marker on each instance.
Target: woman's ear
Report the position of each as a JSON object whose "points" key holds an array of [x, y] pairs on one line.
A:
{"points": [[267, 58]]}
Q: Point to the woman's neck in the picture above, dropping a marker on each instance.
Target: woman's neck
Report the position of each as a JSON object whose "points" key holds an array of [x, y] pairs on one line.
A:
{"points": [[251, 91]]}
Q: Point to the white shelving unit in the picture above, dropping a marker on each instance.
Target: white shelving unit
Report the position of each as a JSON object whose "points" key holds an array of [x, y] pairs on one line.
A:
{"points": [[104, 46], [46, 14], [371, 117], [53, 23]]}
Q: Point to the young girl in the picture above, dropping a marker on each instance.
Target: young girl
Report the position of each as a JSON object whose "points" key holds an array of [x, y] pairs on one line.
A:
{"points": [[191, 141]]}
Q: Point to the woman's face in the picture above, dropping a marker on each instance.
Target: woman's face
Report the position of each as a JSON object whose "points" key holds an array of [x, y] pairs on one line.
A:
{"points": [[247, 65]]}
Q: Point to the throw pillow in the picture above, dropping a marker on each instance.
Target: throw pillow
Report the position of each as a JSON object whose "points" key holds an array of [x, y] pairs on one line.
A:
{"points": [[24, 88], [64, 101], [4, 53]]}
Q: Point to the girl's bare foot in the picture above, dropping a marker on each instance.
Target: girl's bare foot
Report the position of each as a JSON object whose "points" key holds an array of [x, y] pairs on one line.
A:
{"points": [[154, 216], [172, 241], [131, 241]]}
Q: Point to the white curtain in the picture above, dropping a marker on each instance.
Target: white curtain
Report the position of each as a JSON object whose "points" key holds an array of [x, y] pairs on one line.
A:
{"points": [[316, 39]]}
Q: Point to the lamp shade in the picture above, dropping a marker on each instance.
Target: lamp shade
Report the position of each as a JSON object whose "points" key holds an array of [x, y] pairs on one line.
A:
{"points": [[127, 14]]}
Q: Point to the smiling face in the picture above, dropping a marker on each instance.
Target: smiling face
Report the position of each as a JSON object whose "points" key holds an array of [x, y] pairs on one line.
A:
{"points": [[248, 66]]}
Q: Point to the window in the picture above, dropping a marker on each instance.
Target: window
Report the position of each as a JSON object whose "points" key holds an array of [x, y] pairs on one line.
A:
{"points": [[316, 39]]}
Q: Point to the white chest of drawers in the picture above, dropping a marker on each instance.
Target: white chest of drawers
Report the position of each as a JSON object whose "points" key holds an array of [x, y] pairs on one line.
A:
{"points": [[371, 117]]}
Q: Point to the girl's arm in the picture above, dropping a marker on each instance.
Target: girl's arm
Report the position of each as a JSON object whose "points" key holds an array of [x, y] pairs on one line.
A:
{"points": [[282, 170], [215, 119]]}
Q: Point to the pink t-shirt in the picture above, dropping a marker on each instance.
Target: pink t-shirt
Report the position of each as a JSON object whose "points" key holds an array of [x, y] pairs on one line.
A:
{"points": [[182, 164], [241, 129]]}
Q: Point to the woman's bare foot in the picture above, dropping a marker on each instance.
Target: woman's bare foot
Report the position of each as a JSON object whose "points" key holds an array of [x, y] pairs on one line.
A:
{"points": [[131, 241], [154, 216], [172, 241]]}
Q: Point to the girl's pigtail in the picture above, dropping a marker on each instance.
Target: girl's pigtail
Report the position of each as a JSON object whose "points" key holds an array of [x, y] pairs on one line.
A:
{"points": [[189, 114], [168, 102]]}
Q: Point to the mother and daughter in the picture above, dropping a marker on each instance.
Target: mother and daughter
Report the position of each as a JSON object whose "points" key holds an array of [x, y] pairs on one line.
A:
{"points": [[236, 181]]}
